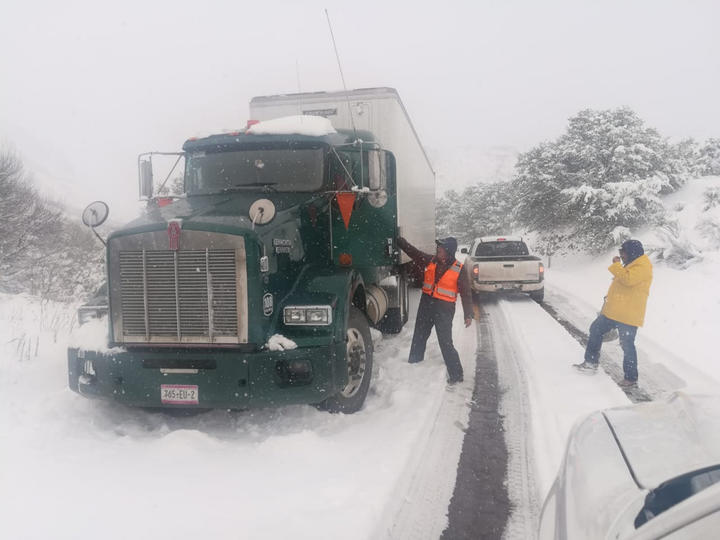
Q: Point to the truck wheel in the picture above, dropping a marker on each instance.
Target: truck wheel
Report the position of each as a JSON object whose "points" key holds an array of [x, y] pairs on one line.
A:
{"points": [[538, 296], [396, 317], [359, 362]]}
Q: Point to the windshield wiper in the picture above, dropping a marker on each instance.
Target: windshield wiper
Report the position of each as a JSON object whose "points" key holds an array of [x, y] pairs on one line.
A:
{"points": [[267, 186]]}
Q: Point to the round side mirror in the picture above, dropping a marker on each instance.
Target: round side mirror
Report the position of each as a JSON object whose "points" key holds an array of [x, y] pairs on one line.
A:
{"points": [[95, 214]]}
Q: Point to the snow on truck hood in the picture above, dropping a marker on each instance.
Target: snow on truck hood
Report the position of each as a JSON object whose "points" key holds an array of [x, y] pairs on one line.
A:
{"points": [[664, 439], [314, 126]]}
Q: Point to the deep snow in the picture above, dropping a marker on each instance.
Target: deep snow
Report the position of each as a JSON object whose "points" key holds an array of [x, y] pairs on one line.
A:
{"points": [[76, 468]]}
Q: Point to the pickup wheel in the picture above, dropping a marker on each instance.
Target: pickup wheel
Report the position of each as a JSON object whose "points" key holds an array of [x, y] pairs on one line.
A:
{"points": [[396, 317], [538, 296], [359, 363]]}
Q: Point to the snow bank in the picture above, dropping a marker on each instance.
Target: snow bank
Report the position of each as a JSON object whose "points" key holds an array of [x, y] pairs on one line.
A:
{"points": [[278, 342], [315, 126], [93, 336]]}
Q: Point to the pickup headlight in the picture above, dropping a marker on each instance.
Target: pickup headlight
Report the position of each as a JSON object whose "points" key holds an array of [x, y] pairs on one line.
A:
{"points": [[307, 315], [87, 313]]}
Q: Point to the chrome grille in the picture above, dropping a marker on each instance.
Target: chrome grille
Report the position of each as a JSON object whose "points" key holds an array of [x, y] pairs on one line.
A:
{"points": [[174, 295]]}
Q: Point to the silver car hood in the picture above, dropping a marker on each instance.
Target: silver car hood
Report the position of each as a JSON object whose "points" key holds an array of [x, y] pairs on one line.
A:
{"points": [[664, 439]]}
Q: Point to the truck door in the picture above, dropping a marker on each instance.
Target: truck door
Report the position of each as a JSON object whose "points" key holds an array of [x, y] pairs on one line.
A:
{"points": [[364, 210]]}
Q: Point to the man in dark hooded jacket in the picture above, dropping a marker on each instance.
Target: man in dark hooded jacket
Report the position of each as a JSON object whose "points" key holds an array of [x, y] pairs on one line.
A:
{"points": [[624, 309], [442, 282]]}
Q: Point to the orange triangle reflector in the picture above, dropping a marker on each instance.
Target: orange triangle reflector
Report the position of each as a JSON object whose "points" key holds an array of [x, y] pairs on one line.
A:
{"points": [[346, 201]]}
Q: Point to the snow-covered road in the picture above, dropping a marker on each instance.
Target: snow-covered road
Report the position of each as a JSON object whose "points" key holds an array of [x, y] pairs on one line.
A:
{"points": [[74, 468]]}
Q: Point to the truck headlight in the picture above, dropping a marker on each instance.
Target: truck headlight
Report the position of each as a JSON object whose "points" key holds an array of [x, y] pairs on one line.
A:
{"points": [[308, 315]]}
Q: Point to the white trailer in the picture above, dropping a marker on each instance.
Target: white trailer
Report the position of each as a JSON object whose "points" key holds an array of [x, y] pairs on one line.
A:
{"points": [[380, 111]]}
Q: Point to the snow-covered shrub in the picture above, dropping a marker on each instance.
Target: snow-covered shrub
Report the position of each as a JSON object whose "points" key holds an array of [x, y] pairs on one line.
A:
{"points": [[676, 249], [709, 227], [709, 157], [711, 198], [620, 234]]}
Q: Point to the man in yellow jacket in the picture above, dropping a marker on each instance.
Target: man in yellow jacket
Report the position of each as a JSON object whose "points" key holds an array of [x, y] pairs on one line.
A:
{"points": [[624, 309]]}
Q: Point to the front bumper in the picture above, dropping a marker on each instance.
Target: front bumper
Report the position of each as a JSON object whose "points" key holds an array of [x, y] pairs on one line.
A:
{"points": [[509, 286], [224, 378]]}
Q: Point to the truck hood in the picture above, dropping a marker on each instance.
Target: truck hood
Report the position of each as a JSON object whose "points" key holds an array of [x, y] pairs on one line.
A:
{"points": [[664, 439]]}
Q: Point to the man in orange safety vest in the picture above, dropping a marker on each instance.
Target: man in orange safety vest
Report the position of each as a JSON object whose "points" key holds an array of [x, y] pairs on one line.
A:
{"points": [[442, 282]]}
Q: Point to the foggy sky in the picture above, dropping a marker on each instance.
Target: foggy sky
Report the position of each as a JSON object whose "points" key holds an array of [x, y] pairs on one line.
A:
{"points": [[86, 86]]}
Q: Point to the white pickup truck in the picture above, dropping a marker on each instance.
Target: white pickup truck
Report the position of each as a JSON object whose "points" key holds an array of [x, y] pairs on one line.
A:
{"points": [[504, 263]]}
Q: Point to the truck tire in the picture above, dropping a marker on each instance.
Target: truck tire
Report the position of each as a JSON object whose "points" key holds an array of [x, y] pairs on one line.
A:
{"points": [[396, 317], [538, 296], [359, 362]]}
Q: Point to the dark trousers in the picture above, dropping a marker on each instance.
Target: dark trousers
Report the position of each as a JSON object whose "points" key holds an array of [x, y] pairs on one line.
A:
{"points": [[438, 313], [598, 329]]}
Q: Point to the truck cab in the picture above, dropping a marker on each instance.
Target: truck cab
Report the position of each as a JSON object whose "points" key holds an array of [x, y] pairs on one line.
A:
{"points": [[258, 285]]}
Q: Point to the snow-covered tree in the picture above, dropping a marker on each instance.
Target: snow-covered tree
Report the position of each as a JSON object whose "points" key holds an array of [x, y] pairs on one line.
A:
{"points": [[41, 251], [607, 171], [480, 210]]}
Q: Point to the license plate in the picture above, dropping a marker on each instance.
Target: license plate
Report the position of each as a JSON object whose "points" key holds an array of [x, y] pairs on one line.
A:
{"points": [[179, 394], [509, 286]]}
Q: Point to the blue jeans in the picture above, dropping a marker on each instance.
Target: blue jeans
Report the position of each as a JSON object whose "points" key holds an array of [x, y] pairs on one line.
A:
{"points": [[600, 327]]}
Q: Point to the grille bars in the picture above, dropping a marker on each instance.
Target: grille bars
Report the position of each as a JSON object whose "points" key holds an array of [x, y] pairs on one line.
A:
{"points": [[177, 295], [209, 294], [145, 295], [166, 296]]}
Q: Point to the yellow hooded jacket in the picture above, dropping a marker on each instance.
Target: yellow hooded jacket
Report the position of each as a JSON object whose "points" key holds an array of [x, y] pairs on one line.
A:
{"points": [[627, 297]]}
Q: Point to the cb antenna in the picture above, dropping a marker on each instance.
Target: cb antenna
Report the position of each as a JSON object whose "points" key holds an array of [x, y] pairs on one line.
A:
{"points": [[337, 55]]}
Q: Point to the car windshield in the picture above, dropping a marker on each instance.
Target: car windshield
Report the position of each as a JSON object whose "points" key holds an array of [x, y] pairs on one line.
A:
{"points": [[285, 169], [501, 249], [676, 490]]}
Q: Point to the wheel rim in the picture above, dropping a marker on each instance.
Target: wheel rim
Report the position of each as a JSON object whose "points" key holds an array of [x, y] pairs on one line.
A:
{"points": [[356, 355]]}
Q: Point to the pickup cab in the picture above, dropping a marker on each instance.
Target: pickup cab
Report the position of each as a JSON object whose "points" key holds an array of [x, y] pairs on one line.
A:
{"points": [[504, 263]]}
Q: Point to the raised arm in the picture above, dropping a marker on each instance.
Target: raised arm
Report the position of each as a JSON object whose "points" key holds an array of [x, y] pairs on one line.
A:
{"points": [[419, 257]]}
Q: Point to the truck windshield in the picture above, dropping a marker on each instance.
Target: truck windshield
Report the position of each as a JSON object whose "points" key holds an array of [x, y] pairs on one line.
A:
{"points": [[501, 249], [285, 169]]}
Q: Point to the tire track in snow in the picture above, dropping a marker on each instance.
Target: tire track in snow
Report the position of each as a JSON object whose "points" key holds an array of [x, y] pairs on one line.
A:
{"points": [[418, 508], [636, 395], [480, 505], [656, 381], [515, 409]]}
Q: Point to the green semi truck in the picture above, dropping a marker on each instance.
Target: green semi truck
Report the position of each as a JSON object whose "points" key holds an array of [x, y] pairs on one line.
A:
{"points": [[259, 283]]}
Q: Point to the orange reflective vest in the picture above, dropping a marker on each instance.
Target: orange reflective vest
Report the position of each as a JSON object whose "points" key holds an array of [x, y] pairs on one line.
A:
{"points": [[447, 286]]}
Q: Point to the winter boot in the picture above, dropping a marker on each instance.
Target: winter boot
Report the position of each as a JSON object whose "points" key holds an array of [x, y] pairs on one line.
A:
{"points": [[586, 367]]}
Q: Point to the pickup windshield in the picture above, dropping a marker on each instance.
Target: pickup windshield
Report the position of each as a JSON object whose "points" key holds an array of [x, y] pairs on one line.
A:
{"points": [[284, 169], [501, 249]]}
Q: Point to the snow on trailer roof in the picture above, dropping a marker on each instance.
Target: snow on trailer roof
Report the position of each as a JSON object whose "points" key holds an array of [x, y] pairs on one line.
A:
{"points": [[501, 239], [313, 126], [273, 136]]}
